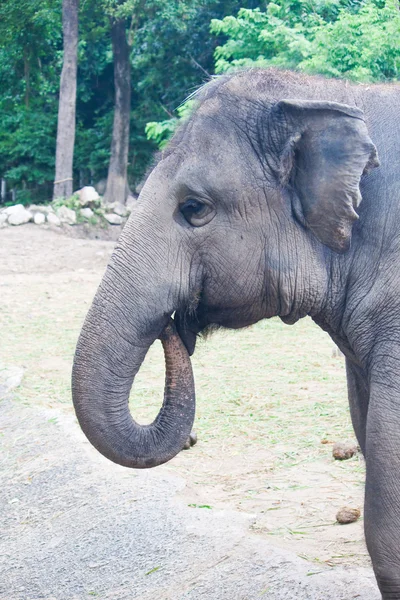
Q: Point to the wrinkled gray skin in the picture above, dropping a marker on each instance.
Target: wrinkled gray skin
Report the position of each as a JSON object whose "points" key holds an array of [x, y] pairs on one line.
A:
{"points": [[253, 212]]}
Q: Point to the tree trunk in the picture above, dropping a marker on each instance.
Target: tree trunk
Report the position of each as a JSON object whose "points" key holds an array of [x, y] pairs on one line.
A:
{"points": [[3, 190], [116, 190], [66, 108]]}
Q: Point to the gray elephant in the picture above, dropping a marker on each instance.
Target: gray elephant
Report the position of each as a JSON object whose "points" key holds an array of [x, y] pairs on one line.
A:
{"points": [[266, 203]]}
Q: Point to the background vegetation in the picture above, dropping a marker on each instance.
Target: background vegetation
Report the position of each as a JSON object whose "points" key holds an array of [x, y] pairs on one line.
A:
{"points": [[175, 46]]}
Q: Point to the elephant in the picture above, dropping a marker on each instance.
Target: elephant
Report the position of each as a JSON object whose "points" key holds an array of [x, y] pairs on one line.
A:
{"points": [[270, 200]]}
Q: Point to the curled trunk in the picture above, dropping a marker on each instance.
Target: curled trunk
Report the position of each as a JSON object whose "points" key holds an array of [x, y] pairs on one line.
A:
{"points": [[104, 369]]}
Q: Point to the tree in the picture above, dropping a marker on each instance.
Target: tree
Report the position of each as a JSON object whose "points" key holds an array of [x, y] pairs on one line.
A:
{"points": [[171, 52], [63, 184], [30, 46], [352, 39], [116, 190], [171, 55]]}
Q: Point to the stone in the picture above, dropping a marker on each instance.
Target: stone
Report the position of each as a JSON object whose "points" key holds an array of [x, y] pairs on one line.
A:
{"points": [[86, 213], [53, 219], [19, 216], [66, 215], [131, 202], [348, 515], [3, 220], [113, 219], [88, 195], [120, 209], [344, 450], [39, 218], [40, 208], [10, 210]]}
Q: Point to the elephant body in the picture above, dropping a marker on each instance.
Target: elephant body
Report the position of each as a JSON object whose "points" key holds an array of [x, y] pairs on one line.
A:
{"points": [[269, 201]]}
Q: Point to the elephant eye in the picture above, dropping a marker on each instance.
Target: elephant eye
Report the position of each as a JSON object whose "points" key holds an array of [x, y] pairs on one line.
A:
{"points": [[197, 212]]}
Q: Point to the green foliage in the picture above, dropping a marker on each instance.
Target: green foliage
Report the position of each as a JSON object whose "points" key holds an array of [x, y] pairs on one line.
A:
{"points": [[359, 46], [162, 131], [172, 53], [30, 59], [72, 202], [348, 39]]}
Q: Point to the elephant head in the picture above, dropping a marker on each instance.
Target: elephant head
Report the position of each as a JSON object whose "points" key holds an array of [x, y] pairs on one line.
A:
{"points": [[234, 224]]}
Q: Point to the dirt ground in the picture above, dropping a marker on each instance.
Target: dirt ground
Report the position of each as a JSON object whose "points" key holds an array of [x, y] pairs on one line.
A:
{"points": [[267, 397]]}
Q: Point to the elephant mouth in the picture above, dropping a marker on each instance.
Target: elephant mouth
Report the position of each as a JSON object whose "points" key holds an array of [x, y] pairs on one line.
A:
{"points": [[188, 326], [205, 320]]}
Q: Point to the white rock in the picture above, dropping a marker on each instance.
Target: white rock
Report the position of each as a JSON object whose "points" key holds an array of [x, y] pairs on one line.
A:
{"points": [[53, 219], [131, 202], [40, 208], [87, 213], [10, 210], [20, 216], [87, 195], [3, 220], [113, 219], [66, 215], [39, 218], [120, 209]]}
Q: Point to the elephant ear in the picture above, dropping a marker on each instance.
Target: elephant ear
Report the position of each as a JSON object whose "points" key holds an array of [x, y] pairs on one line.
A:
{"points": [[324, 149]]}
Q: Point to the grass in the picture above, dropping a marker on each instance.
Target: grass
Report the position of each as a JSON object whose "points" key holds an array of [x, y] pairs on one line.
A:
{"points": [[268, 384]]}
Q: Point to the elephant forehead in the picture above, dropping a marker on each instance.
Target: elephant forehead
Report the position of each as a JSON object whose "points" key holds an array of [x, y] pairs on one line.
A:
{"points": [[211, 130], [210, 107], [207, 164], [212, 173]]}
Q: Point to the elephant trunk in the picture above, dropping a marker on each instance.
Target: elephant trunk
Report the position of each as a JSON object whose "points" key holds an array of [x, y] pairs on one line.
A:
{"points": [[115, 338], [103, 413]]}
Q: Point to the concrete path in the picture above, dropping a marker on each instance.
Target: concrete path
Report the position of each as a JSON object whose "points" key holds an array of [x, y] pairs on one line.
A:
{"points": [[75, 526]]}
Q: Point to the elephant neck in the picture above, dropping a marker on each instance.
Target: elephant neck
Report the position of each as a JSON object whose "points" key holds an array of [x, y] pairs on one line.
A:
{"points": [[331, 316], [306, 289]]}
